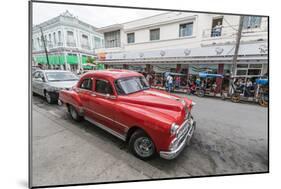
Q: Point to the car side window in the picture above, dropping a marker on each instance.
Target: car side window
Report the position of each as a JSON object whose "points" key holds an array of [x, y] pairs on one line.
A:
{"points": [[87, 84], [36, 74], [41, 75], [103, 87]]}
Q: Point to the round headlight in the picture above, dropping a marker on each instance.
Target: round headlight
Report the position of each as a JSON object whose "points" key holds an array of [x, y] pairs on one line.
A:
{"points": [[174, 128], [183, 102]]}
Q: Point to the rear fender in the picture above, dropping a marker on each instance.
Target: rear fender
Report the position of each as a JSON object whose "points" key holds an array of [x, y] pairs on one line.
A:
{"points": [[71, 98]]}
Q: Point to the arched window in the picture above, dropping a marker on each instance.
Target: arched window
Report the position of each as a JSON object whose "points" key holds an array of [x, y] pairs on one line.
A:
{"points": [[55, 38]]}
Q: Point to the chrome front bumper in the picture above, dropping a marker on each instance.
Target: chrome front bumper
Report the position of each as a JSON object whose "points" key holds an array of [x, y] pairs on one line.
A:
{"points": [[184, 140]]}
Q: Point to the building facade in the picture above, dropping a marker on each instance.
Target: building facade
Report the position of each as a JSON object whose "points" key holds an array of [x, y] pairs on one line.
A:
{"points": [[187, 43], [70, 43]]}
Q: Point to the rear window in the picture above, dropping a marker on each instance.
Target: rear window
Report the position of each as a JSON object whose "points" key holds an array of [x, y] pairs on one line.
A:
{"points": [[87, 84]]}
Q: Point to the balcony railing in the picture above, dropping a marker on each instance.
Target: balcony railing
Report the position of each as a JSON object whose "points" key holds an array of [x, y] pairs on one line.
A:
{"points": [[231, 31], [71, 44]]}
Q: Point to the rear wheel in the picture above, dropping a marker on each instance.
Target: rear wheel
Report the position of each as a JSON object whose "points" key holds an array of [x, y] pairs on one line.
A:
{"points": [[263, 101], [188, 91], [200, 93], [74, 114], [60, 103], [223, 96], [141, 145], [235, 97]]}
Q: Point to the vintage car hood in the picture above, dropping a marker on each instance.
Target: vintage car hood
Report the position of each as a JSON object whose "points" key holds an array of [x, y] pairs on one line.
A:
{"points": [[155, 100], [62, 84]]}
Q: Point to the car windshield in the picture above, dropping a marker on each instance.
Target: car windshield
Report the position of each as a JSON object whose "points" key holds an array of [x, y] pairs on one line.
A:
{"points": [[131, 85], [61, 76]]}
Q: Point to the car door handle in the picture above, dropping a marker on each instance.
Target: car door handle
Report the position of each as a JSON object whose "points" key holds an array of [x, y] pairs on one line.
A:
{"points": [[93, 94]]}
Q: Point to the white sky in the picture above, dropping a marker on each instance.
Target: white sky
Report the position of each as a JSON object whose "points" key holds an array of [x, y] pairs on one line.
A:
{"points": [[96, 16]]}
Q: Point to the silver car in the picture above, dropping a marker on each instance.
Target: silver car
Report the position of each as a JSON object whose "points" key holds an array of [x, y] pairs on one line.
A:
{"points": [[48, 83]]}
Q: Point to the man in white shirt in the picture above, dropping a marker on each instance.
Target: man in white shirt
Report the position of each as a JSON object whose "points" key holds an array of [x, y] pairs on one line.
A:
{"points": [[170, 82], [148, 78]]}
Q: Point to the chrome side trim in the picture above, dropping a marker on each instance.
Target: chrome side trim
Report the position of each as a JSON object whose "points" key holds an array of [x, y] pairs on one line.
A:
{"points": [[105, 95], [118, 135], [81, 111], [125, 126]]}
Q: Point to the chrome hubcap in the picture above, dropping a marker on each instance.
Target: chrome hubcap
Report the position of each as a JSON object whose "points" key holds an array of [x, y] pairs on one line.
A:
{"points": [[59, 102], [48, 97], [144, 147], [73, 113]]}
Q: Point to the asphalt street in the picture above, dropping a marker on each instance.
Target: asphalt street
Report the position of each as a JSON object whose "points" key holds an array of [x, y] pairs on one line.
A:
{"points": [[229, 138]]}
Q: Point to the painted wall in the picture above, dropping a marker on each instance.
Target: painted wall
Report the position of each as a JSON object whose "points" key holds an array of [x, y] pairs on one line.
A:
{"points": [[169, 32]]}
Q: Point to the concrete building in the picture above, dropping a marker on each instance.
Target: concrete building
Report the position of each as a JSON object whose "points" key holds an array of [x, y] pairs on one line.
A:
{"points": [[187, 43], [70, 43]]}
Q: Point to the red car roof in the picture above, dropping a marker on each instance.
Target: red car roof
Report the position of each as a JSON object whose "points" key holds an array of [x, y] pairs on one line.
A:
{"points": [[113, 73]]}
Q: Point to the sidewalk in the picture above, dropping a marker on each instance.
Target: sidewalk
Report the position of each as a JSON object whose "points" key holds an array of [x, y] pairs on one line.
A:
{"points": [[66, 152]]}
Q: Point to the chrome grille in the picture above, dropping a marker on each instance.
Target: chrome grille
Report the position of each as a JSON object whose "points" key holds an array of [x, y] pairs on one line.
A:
{"points": [[183, 129]]}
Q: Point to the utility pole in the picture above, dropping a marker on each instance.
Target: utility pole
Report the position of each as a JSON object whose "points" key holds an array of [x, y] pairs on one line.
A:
{"points": [[237, 45], [45, 48]]}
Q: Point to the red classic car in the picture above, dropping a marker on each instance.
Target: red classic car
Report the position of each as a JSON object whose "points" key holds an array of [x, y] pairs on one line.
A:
{"points": [[122, 103]]}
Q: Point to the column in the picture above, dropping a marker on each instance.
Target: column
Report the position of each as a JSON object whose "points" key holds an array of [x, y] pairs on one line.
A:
{"points": [[64, 37], [80, 63], [219, 80], [65, 61], [178, 68]]}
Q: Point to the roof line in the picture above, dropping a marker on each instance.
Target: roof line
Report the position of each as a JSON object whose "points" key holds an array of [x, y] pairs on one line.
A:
{"points": [[63, 15]]}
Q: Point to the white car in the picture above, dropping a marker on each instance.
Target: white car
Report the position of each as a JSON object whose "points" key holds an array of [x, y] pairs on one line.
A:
{"points": [[48, 83]]}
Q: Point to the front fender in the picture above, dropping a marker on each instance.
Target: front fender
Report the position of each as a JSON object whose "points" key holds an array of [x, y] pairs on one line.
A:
{"points": [[154, 124]]}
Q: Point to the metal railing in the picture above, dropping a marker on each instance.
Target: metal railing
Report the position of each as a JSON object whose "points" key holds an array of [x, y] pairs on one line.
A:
{"points": [[231, 31]]}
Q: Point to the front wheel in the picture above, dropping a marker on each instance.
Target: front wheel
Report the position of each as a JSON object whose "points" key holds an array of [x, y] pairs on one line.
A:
{"points": [[200, 93], [50, 99], [141, 145]]}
